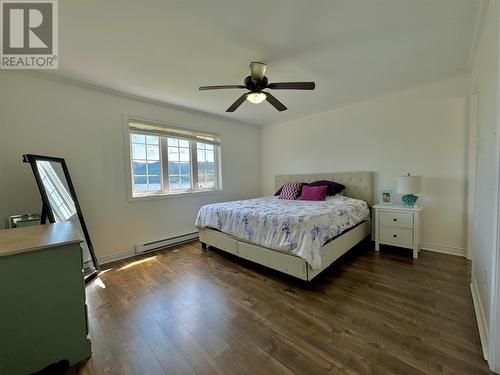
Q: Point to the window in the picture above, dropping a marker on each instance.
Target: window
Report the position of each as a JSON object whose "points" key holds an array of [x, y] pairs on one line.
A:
{"points": [[206, 165], [146, 163], [170, 160], [179, 164]]}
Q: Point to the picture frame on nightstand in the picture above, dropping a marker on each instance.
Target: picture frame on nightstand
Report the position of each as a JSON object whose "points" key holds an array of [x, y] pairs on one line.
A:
{"points": [[386, 197]]}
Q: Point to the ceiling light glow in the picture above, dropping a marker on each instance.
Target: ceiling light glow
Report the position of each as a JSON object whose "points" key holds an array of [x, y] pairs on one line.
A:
{"points": [[256, 97]]}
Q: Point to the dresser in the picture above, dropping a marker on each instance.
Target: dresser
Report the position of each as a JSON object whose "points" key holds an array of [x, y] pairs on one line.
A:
{"points": [[43, 315], [398, 226]]}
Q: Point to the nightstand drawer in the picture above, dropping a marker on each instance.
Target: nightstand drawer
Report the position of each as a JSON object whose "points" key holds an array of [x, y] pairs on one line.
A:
{"points": [[397, 236], [396, 219]]}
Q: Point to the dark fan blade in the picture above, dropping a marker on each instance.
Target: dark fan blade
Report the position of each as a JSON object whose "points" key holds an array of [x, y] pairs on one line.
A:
{"points": [[222, 87], [237, 103], [257, 70], [275, 102], [292, 86]]}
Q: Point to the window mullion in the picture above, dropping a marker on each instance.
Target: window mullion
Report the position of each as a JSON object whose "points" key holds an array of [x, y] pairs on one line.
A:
{"points": [[217, 176], [164, 163], [147, 163], [194, 164]]}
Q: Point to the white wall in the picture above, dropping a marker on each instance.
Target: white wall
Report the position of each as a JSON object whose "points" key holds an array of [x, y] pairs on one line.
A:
{"points": [[484, 84], [420, 130], [48, 117]]}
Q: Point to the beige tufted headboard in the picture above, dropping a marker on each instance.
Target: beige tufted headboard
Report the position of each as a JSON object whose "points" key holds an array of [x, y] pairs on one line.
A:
{"points": [[358, 185]]}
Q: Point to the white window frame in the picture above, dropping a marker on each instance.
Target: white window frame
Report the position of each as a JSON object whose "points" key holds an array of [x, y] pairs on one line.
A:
{"points": [[163, 144]]}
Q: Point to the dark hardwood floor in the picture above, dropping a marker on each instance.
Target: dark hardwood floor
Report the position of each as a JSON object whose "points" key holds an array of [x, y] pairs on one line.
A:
{"points": [[184, 311]]}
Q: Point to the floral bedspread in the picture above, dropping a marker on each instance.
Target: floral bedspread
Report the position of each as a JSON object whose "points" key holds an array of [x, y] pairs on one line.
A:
{"points": [[298, 227]]}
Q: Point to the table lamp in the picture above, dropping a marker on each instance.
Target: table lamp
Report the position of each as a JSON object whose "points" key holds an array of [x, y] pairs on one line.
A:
{"points": [[409, 186]]}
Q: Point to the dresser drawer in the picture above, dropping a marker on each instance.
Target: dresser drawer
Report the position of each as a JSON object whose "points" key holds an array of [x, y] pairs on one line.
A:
{"points": [[396, 236], [396, 219]]}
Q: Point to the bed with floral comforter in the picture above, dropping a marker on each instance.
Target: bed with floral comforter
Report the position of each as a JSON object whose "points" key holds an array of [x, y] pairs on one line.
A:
{"points": [[294, 226]]}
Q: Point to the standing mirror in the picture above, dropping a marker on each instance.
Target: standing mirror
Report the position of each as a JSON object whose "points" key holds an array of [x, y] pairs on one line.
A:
{"points": [[59, 203]]}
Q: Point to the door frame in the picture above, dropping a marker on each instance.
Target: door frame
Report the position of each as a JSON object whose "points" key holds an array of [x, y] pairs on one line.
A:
{"points": [[494, 345], [473, 111]]}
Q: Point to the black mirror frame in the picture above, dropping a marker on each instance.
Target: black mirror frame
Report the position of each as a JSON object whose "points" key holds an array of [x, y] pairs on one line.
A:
{"points": [[47, 209]]}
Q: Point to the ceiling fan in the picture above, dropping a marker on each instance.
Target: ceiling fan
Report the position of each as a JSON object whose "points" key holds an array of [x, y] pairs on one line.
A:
{"points": [[255, 83]]}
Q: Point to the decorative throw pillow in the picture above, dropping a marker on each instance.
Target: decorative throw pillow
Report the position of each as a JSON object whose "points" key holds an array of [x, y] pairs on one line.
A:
{"points": [[333, 187], [278, 192], [290, 190], [313, 193]]}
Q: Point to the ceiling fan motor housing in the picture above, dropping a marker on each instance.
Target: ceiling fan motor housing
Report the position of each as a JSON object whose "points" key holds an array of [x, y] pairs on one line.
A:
{"points": [[252, 85]]}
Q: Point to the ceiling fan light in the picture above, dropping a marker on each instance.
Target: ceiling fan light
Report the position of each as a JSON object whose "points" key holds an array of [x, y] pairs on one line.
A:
{"points": [[256, 97]]}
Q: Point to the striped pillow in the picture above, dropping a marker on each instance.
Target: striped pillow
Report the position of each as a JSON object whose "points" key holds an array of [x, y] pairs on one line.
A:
{"points": [[290, 190]]}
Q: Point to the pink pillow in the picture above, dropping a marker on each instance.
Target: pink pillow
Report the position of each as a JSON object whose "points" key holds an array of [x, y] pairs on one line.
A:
{"points": [[290, 190], [313, 193], [333, 187]]}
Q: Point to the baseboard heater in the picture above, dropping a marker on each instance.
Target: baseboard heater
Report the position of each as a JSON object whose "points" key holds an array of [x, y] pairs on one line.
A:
{"points": [[167, 242]]}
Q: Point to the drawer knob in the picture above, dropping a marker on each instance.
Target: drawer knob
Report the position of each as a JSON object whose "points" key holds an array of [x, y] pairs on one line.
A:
{"points": [[394, 219], [394, 235]]}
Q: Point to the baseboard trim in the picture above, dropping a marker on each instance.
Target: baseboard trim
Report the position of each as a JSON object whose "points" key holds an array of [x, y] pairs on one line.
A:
{"points": [[482, 323], [116, 256], [446, 249]]}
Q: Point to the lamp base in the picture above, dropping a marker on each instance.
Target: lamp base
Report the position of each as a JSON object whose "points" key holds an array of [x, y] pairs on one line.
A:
{"points": [[409, 200]]}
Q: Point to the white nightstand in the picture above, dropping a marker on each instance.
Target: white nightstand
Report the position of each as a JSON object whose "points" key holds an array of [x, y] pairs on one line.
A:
{"points": [[397, 226]]}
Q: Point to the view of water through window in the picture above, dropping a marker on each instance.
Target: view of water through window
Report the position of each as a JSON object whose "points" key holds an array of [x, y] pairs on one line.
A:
{"points": [[190, 165]]}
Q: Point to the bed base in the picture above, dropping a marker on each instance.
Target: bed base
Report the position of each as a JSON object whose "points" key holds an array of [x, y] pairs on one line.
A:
{"points": [[280, 261]]}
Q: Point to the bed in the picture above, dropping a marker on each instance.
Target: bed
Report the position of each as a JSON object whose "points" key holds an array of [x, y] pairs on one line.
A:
{"points": [[298, 238]]}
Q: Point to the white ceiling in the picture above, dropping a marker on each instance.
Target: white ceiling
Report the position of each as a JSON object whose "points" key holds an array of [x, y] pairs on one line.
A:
{"points": [[352, 49]]}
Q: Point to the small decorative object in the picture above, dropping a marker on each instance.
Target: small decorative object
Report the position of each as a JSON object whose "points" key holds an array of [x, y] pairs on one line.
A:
{"points": [[409, 186], [386, 196]]}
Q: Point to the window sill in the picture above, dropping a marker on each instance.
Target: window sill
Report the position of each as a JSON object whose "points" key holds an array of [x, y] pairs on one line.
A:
{"points": [[181, 194]]}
